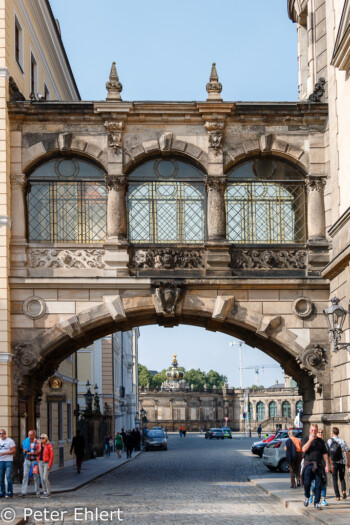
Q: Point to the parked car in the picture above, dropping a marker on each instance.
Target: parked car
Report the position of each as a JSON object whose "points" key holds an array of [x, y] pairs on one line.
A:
{"points": [[155, 439], [214, 433], [157, 428], [227, 432], [274, 456]]}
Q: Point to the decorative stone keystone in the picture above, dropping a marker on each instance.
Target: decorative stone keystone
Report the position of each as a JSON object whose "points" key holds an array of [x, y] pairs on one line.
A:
{"points": [[215, 134], [214, 87], [114, 87], [115, 307], [114, 130], [222, 307]]}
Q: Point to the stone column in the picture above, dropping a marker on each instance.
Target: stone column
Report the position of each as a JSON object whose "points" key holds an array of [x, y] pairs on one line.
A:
{"points": [[116, 207], [216, 215], [18, 205], [316, 211]]}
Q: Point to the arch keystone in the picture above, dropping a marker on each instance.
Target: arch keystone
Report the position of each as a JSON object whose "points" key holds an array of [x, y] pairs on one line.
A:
{"points": [[71, 327], [222, 307], [115, 307]]}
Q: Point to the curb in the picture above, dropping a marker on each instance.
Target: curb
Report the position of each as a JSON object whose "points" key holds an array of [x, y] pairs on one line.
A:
{"points": [[296, 505]]}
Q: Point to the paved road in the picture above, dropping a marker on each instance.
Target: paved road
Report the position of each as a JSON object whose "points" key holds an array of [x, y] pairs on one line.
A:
{"points": [[195, 481]]}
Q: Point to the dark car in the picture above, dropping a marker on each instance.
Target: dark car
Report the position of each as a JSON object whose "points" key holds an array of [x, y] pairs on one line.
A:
{"points": [[155, 439], [214, 433], [258, 446]]}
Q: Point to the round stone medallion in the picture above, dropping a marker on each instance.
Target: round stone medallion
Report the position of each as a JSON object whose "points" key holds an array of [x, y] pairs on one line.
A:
{"points": [[34, 307], [302, 307]]}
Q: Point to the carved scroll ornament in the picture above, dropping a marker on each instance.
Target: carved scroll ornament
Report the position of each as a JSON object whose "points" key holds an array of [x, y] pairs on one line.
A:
{"points": [[315, 183], [46, 258], [215, 183], [115, 133], [312, 359], [267, 259], [167, 259], [24, 359], [215, 135], [117, 183]]}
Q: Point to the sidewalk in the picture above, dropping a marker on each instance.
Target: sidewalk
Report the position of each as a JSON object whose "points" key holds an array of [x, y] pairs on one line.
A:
{"points": [[67, 479], [278, 487]]}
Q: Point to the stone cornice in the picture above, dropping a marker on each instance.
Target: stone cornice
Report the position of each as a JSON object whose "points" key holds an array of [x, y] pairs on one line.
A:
{"points": [[340, 223], [337, 265]]}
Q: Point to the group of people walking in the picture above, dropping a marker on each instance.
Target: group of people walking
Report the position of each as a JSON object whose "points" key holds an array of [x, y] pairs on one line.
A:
{"points": [[182, 431], [127, 441], [312, 459]]}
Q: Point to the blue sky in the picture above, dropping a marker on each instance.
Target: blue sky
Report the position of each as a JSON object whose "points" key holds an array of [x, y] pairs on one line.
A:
{"points": [[163, 51]]}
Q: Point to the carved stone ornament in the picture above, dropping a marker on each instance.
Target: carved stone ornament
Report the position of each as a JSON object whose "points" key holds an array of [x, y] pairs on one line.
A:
{"points": [[267, 259], [114, 130], [167, 258], [18, 180], [215, 134], [214, 87], [215, 184], [117, 183], [315, 183], [113, 86], [167, 296], [46, 258], [318, 91], [312, 359], [34, 307], [302, 307], [24, 359]]}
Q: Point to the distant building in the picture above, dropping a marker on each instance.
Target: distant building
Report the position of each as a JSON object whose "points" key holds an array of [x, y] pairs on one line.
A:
{"points": [[177, 403]]}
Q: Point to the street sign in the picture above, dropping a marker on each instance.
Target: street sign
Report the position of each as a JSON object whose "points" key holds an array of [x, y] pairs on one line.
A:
{"points": [[226, 419], [244, 415]]}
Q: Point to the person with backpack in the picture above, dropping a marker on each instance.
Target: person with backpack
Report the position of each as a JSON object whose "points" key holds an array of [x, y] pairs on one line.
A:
{"points": [[338, 451], [293, 456]]}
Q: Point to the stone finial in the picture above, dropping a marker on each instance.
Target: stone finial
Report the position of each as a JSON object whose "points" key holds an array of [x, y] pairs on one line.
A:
{"points": [[114, 87], [214, 87]]}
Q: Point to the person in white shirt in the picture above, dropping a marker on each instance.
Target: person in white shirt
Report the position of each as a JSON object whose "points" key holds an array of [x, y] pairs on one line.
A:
{"points": [[339, 457], [7, 450]]}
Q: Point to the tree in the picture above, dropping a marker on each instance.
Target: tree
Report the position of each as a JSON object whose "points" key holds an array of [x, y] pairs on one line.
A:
{"points": [[213, 378], [158, 379], [196, 378], [145, 376]]}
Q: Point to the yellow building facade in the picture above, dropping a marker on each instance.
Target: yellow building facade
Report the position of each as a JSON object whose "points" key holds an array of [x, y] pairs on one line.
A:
{"points": [[32, 61]]}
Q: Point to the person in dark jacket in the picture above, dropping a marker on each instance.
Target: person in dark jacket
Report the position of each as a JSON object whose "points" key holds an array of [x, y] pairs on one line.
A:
{"points": [[315, 465], [293, 456], [129, 445], [78, 445]]}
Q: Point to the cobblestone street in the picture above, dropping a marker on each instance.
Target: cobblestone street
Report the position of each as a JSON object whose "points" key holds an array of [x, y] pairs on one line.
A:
{"points": [[195, 481]]}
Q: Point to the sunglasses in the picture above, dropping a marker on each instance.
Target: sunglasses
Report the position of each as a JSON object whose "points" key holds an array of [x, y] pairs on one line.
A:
{"points": [[42, 437], [1, 433]]}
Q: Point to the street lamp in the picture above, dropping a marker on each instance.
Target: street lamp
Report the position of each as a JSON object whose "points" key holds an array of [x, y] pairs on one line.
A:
{"points": [[335, 317], [240, 362]]}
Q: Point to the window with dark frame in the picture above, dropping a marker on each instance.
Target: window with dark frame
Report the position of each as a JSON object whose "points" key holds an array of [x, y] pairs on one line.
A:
{"points": [[18, 44], [46, 92], [33, 72]]}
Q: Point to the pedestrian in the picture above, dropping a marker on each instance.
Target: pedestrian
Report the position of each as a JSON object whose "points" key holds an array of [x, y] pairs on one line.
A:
{"points": [[293, 455], [45, 464], [201, 430], [314, 449], [324, 486], [123, 434], [184, 430], [259, 429], [180, 431], [31, 448], [137, 439], [119, 444], [128, 444], [7, 450], [78, 445], [107, 444], [340, 457], [166, 431]]}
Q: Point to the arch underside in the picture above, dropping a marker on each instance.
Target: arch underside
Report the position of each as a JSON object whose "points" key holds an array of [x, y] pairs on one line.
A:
{"points": [[55, 344]]}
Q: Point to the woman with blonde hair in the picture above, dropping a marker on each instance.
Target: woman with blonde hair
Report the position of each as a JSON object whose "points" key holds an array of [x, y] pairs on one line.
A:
{"points": [[45, 464]]}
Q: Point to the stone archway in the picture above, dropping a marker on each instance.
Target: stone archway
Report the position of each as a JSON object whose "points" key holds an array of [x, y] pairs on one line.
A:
{"points": [[40, 351]]}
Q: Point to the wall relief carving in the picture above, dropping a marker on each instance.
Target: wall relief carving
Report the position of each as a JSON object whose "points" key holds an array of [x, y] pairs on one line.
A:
{"points": [[302, 307], [266, 259], [313, 360], [215, 135], [48, 258], [34, 307], [167, 258], [166, 298], [25, 358]]}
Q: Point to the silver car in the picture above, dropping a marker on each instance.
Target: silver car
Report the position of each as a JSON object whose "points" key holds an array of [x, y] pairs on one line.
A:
{"points": [[274, 456]]}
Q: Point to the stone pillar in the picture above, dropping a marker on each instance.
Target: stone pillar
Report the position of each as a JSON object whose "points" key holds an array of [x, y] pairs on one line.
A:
{"points": [[116, 207], [316, 211], [216, 214], [18, 204]]}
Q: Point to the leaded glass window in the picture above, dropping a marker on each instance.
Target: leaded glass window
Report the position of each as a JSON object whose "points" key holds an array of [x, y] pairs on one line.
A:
{"points": [[67, 202], [265, 203], [273, 409], [166, 203], [260, 411]]}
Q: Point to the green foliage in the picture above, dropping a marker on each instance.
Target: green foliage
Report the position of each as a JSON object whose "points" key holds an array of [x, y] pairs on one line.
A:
{"points": [[145, 376], [214, 378], [159, 378], [257, 387], [197, 378]]}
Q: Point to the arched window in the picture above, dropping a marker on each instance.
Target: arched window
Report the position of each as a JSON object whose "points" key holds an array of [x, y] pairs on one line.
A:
{"points": [[67, 202], [260, 411], [250, 412], [166, 203], [286, 409], [265, 203], [299, 406], [273, 409]]}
